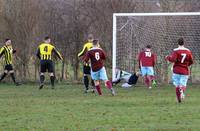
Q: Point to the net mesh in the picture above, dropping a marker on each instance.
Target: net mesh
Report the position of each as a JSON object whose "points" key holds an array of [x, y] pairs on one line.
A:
{"points": [[162, 32]]}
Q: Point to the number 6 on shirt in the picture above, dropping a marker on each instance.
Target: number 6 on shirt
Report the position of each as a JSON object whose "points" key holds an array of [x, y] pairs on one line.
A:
{"points": [[97, 56]]}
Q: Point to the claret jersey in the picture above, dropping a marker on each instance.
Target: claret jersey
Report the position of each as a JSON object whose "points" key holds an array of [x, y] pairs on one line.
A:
{"points": [[182, 59], [147, 58], [96, 56]]}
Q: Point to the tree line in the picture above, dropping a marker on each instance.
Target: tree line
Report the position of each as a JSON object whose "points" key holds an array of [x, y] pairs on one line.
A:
{"points": [[68, 22]]}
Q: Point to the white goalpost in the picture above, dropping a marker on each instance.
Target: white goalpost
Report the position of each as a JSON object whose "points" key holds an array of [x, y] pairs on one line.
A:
{"points": [[133, 31]]}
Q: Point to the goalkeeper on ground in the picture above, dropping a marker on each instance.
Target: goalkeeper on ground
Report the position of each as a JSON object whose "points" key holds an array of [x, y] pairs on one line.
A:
{"points": [[129, 78], [8, 52], [86, 67]]}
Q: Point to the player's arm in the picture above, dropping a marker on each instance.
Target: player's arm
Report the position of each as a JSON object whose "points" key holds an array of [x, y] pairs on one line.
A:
{"points": [[57, 53], [86, 58], [83, 51], [191, 60], [1, 51], [38, 53], [172, 57]]}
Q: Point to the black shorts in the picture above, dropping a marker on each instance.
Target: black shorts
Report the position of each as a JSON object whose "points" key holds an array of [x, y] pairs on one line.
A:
{"points": [[133, 79], [8, 67], [46, 65], [86, 69]]}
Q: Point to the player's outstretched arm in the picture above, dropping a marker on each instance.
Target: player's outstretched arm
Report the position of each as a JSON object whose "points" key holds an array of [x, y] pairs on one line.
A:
{"points": [[83, 51]]}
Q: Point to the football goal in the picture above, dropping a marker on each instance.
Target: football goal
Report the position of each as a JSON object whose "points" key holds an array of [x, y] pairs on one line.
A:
{"points": [[133, 31]]}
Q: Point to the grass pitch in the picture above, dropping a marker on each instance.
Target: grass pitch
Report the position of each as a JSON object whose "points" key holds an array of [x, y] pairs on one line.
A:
{"points": [[66, 108]]}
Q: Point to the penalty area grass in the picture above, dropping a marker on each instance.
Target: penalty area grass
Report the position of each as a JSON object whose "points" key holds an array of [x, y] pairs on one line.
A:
{"points": [[67, 108]]}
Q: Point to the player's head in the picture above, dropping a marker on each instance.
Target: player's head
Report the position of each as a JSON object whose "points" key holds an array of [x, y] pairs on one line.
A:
{"points": [[95, 43], [181, 41], [148, 47], [47, 39], [90, 38], [8, 42], [137, 73]]}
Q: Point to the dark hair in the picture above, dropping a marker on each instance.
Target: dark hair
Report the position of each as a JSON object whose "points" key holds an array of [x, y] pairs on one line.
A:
{"points": [[46, 38], [7, 39], [181, 41], [95, 41], [148, 46]]}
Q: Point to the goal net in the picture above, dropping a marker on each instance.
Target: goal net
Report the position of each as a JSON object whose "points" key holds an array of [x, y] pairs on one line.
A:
{"points": [[133, 31]]}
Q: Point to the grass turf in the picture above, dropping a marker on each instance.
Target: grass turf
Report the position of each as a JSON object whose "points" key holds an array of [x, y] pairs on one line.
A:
{"points": [[67, 109]]}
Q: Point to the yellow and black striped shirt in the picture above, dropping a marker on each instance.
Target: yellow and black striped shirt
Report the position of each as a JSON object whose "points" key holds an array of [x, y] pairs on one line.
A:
{"points": [[45, 52], [86, 47], [7, 51]]}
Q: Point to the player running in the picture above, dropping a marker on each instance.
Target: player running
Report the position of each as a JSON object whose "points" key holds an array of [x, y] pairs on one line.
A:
{"points": [[86, 67], [96, 56], [147, 61], [8, 52], [182, 59], [129, 78], [44, 53]]}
